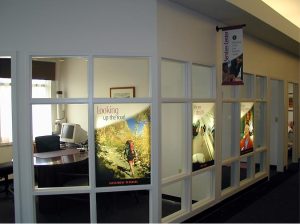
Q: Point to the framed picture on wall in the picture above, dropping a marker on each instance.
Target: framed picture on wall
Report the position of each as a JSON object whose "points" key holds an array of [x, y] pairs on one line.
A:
{"points": [[290, 101], [122, 92]]}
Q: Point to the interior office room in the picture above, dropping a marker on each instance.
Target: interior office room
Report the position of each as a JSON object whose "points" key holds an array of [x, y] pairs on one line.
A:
{"points": [[115, 111]]}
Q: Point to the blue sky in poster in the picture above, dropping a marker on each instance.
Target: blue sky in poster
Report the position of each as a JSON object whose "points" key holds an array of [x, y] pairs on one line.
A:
{"points": [[132, 124]]}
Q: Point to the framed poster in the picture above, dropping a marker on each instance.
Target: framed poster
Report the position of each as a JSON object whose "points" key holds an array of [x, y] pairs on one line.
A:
{"points": [[122, 144], [203, 135], [247, 127], [122, 92]]}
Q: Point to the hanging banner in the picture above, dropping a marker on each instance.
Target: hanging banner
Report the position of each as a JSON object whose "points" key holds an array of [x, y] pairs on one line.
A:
{"points": [[232, 67]]}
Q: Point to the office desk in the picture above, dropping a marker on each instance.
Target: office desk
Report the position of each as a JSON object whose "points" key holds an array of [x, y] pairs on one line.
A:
{"points": [[49, 167], [59, 157]]}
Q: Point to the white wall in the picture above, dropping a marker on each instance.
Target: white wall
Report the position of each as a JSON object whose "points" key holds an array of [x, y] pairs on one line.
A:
{"points": [[72, 25], [264, 59], [185, 35]]}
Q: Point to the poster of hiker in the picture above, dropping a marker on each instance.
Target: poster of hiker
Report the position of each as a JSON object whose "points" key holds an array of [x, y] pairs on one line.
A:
{"points": [[203, 135], [246, 132], [122, 142]]}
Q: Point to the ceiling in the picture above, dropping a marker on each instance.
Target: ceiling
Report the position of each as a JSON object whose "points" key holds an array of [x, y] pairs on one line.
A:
{"points": [[262, 21], [290, 9]]}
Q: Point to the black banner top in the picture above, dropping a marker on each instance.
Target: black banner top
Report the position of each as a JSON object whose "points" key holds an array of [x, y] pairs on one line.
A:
{"points": [[230, 27]]}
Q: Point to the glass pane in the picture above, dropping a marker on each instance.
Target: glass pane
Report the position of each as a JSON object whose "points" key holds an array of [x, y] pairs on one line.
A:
{"points": [[229, 92], [171, 198], [246, 90], [203, 135], [202, 82], [229, 175], [227, 170], [202, 187], [247, 127], [173, 138], [119, 73], [261, 87], [260, 162], [245, 168], [172, 79], [6, 180], [260, 120], [122, 141], [228, 124], [63, 77], [123, 207], [68, 208], [60, 154]]}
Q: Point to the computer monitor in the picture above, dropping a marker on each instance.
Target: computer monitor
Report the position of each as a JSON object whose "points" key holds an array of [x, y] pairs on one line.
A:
{"points": [[70, 133]]}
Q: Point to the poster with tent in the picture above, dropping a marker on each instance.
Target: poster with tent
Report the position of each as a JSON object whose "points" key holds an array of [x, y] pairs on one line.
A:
{"points": [[122, 142]]}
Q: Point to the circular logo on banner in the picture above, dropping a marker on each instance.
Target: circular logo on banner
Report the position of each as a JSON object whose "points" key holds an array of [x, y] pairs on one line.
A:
{"points": [[234, 37]]}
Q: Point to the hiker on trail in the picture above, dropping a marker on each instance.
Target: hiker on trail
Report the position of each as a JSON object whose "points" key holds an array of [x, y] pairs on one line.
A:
{"points": [[130, 155]]}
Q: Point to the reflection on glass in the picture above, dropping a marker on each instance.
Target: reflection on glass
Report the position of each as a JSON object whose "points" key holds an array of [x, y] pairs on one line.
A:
{"points": [[66, 76], [60, 154], [202, 186], [172, 79], [171, 198], [120, 72], [202, 82], [173, 138], [247, 128], [123, 207], [68, 208], [203, 135], [122, 135]]}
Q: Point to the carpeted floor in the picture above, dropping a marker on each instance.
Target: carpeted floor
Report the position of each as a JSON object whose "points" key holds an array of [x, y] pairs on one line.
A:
{"points": [[274, 201]]}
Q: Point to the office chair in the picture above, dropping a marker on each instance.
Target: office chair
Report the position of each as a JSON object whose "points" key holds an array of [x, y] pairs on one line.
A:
{"points": [[47, 143], [6, 169]]}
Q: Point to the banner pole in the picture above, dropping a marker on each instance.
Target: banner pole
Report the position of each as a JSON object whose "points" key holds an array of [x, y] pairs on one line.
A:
{"points": [[230, 27]]}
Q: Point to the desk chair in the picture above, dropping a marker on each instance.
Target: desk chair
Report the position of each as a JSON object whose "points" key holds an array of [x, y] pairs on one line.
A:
{"points": [[5, 170], [47, 143]]}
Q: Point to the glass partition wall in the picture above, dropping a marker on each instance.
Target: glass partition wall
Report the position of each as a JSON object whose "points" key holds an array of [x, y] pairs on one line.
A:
{"points": [[188, 137], [244, 138], [92, 138]]}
